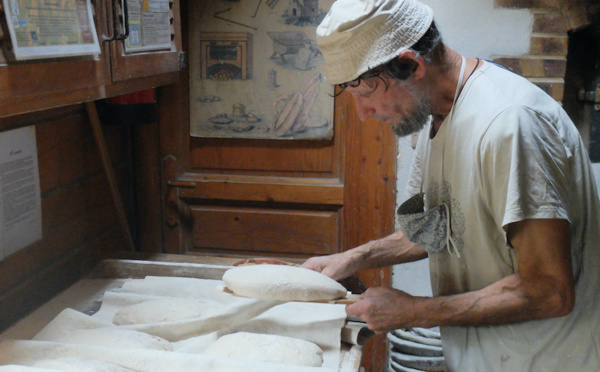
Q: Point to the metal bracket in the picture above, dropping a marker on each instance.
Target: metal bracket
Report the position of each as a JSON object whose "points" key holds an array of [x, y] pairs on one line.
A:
{"points": [[125, 17], [590, 96], [182, 60]]}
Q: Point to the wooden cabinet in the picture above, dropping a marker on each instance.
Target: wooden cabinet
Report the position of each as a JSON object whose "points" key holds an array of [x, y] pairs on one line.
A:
{"points": [[41, 84]]}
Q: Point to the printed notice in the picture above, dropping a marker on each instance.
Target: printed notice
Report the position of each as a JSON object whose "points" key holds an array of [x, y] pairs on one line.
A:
{"points": [[20, 200], [149, 25], [51, 28]]}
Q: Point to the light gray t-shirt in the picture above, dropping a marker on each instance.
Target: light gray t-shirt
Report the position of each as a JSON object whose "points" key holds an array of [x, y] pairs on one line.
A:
{"points": [[510, 153]]}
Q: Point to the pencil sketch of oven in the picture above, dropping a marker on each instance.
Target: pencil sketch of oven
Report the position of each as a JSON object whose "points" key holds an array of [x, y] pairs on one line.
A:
{"points": [[226, 55]]}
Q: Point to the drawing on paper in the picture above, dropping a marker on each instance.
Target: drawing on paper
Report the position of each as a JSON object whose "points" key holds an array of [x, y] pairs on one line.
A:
{"points": [[256, 70]]}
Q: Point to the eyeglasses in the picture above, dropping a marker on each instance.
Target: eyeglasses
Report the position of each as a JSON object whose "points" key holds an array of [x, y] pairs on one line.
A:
{"points": [[372, 73]]}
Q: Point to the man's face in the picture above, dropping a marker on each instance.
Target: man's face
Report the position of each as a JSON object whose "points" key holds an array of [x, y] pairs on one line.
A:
{"points": [[402, 105]]}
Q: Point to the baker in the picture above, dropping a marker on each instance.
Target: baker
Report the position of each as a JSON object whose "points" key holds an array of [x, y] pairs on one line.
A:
{"points": [[504, 202]]}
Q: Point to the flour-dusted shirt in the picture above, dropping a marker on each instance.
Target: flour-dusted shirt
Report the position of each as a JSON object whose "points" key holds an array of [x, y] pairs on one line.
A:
{"points": [[510, 153]]}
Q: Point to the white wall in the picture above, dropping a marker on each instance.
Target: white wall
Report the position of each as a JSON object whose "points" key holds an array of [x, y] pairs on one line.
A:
{"points": [[473, 28]]}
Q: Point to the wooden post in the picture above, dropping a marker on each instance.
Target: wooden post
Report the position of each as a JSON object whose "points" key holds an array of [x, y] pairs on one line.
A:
{"points": [[108, 170]]}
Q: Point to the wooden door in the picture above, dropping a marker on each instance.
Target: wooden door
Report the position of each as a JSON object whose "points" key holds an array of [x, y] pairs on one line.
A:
{"points": [[276, 198]]}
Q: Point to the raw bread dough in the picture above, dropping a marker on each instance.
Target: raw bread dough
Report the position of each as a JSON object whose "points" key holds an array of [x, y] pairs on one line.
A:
{"points": [[117, 338], [163, 310], [79, 365], [19, 368], [267, 348], [282, 283]]}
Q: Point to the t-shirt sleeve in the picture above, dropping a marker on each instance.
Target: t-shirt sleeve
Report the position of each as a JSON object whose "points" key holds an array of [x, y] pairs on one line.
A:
{"points": [[524, 163]]}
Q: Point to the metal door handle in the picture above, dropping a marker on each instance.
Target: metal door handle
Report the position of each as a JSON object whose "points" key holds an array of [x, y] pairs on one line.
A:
{"points": [[116, 35]]}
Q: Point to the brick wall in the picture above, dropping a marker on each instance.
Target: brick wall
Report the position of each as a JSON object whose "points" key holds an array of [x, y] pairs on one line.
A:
{"points": [[545, 64]]}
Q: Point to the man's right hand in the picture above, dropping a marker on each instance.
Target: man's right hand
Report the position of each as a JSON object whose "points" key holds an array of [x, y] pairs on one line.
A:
{"points": [[336, 266], [390, 250]]}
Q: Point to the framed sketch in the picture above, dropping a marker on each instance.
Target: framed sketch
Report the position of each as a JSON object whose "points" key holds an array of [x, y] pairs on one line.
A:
{"points": [[256, 70]]}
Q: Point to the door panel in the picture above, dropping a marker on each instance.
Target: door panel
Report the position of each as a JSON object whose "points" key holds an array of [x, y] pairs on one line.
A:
{"points": [[261, 230], [303, 158], [295, 181], [264, 189]]}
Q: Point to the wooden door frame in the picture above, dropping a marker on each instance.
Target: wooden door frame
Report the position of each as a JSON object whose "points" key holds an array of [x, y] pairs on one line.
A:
{"points": [[371, 150]]}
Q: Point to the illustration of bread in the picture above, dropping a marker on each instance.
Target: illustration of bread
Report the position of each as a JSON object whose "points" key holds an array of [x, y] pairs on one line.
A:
{"points": [[288, 115], [310, 93], [293, 112]]}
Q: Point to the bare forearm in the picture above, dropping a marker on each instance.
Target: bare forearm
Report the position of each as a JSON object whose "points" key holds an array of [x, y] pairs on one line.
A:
{"points": [[391, 250], [509, 300], [541, 288]]}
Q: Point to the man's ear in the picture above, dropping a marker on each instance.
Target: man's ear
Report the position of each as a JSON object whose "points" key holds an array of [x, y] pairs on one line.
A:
{"points": [[416, 62]]}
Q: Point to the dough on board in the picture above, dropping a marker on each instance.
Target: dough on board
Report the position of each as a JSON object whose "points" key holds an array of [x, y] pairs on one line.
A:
{"points": [[267, 348], [163, 310], [20, 368], [117, 338], [282, 283], [79, 365]]}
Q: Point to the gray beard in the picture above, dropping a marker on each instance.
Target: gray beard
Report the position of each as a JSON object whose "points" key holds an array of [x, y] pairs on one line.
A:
{"points": [[415, 122]]}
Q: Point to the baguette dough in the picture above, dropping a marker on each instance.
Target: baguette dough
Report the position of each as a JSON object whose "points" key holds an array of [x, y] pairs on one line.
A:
{"points": [[267, 348], [163, 310], [282, 283], [117, 338], [79, 365], [19, 368]]}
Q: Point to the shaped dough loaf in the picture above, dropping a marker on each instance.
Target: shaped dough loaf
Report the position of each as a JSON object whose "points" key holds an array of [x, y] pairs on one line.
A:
{"points": [[117, 338], [162, 310], [282, 283], [79, 365], [267, 348]]}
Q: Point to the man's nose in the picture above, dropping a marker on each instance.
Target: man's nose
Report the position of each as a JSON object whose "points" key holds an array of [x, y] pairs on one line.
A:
{"points": [[363, 108]]}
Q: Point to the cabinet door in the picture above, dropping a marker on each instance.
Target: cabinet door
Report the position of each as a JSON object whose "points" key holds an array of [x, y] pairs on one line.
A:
{"points": [[38, 84], [127, 64]]}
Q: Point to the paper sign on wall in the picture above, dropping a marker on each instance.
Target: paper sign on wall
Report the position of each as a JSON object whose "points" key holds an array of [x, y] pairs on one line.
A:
{"points": [[256, 70], [45, 29], [149, 25], [20, 200]]}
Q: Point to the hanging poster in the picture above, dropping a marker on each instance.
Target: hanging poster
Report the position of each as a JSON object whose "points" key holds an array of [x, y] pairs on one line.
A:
{"points": [[149, 25], [256, 70], [47, 29]]}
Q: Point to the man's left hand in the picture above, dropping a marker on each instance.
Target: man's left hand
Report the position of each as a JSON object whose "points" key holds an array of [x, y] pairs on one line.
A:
{"points": [[384, 309]]}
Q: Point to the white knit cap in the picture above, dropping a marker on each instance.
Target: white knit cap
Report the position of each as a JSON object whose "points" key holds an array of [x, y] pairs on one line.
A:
{"points": [[358, 35]]}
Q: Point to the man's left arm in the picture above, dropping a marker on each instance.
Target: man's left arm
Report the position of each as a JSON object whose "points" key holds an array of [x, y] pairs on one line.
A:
{"points": [[542, 287]]}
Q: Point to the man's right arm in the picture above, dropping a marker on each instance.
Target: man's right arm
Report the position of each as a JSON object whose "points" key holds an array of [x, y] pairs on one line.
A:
{"points": [[391, 250]]}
